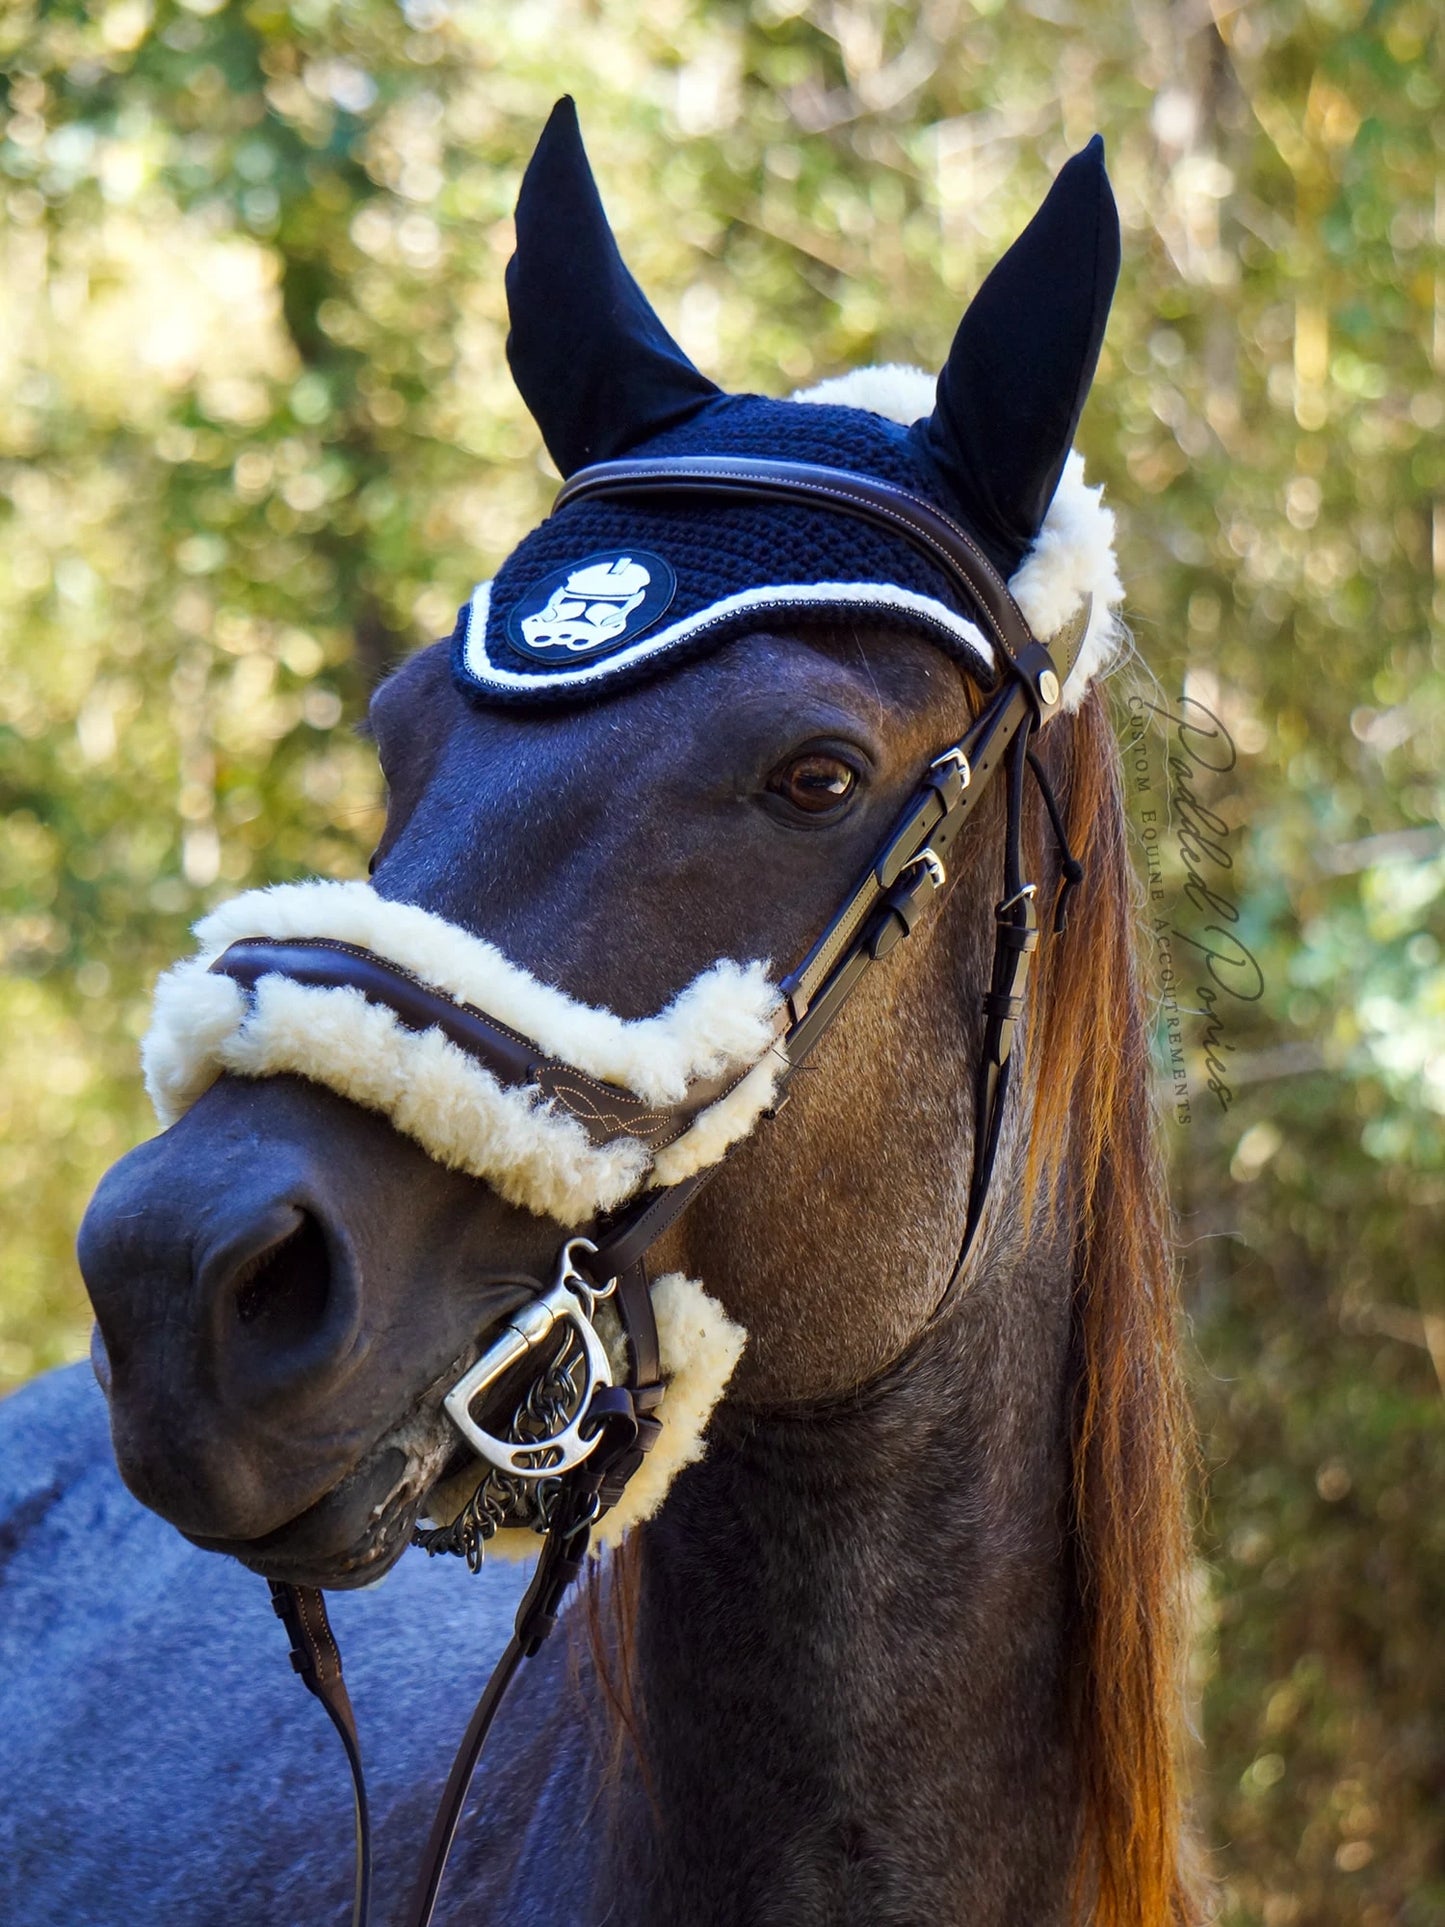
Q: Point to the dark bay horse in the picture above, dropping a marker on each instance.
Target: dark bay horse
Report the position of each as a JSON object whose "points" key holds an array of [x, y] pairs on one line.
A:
{"points": [[905, 1645]]}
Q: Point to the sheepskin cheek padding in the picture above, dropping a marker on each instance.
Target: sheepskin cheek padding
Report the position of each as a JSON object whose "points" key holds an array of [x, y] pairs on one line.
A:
{"points": [[699, 1347], [533, 1153]]}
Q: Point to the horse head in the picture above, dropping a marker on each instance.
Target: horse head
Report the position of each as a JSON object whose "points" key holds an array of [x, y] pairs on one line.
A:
{"points": [[627, 798]]}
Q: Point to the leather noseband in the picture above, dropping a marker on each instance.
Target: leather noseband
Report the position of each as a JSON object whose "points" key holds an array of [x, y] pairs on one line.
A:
{"points": [[605, 1111]]}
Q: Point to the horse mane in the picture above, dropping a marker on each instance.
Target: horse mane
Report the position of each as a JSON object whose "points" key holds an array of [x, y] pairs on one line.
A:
{"points": [[1095, 1126], [1093, 1151]]}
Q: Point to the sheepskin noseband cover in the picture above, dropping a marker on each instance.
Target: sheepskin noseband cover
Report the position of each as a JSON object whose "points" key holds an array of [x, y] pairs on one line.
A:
{"points": [[527, 1144]]}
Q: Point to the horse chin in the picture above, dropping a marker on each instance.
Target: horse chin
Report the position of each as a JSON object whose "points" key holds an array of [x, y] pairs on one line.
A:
{"points": [[354, 1532], [357, 1530]]}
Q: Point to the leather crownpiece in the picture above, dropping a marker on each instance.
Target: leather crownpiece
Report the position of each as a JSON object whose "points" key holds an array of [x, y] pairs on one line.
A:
{"points": [[590, 608]]}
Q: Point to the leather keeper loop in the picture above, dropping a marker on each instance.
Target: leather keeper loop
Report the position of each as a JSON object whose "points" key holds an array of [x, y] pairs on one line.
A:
{"points": [[1023, 937], [1007, 1009]]}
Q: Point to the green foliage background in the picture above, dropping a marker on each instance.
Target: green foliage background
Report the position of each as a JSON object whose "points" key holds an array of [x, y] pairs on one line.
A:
{"points": [[257, 439]]}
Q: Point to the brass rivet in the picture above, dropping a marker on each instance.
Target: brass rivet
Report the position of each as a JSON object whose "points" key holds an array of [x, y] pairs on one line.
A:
{"points": [[1049, 687]]}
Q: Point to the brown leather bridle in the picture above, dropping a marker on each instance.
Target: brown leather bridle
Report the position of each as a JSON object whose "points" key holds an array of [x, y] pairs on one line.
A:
{"points": [[907, 875]]}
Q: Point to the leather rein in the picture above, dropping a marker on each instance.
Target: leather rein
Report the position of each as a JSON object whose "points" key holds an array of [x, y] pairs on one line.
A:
{"points": [[909, 872]]}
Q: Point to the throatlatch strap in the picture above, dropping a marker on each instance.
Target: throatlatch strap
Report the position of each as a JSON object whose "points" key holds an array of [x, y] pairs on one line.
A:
{"points": [[1016, 938], [1070, 868]]}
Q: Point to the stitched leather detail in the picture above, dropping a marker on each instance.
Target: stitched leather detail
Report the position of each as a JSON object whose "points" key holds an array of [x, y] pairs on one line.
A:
{"points": [[318, 1631], [605, 1111], [929, 529]]}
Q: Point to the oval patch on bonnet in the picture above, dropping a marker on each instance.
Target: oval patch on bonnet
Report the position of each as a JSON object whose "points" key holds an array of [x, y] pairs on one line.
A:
{"points": [[591, 607]]}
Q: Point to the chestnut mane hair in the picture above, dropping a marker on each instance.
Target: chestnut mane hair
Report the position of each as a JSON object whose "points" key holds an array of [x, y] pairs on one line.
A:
{"points": [[1094, 1152], [1095, 1122]]}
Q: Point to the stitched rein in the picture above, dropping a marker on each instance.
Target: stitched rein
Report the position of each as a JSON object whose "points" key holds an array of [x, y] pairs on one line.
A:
{"points": [[908, 873]]}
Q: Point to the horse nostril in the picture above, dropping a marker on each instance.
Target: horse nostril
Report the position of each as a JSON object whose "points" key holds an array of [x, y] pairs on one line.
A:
{"points": [[282, 1294]]}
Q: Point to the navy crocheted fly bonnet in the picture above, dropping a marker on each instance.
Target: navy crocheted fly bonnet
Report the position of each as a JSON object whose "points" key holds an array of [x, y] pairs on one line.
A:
{"points": [[609, 591]]}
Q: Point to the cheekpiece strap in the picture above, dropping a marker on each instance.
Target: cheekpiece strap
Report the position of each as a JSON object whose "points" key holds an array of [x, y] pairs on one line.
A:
{"points": [[910, 871], [906, 877]]}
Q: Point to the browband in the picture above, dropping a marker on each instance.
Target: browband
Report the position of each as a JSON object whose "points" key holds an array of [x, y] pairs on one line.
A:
{"points": [[935, 535]]}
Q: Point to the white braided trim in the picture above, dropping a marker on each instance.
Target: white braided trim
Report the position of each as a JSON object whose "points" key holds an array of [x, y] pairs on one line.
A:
{"points": [[531, 1152], [699, 1346], [784, 599]]}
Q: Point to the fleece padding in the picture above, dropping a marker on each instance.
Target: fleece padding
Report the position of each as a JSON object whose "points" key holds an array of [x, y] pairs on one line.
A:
{"points": [[1071, 557], [533, 1153], [699, 1346]]}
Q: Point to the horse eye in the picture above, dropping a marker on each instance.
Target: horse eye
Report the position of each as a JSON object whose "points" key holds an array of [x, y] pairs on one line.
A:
{"points": [[815, 783]]}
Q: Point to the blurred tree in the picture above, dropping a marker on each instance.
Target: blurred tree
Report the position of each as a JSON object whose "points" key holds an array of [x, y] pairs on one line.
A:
{"points": [[257, 440]]}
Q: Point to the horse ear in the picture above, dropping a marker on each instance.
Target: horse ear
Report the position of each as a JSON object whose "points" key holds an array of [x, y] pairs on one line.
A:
{"points": [[1013, 388], [593, 363]]}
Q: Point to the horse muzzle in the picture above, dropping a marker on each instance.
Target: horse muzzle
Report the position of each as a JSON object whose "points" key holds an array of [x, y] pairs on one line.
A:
{"points": [[254, 1273]]}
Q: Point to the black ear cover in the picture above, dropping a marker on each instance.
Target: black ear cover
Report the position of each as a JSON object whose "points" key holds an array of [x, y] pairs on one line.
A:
{"points": [[595, 366], [1014, 385]]}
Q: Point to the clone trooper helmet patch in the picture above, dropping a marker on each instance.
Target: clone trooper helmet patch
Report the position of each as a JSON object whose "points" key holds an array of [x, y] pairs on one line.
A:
{"points": [[592, 607]]}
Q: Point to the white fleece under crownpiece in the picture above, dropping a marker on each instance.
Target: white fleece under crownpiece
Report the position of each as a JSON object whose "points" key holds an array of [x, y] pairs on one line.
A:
{"points": [[1071, 557], [530, 1150]]}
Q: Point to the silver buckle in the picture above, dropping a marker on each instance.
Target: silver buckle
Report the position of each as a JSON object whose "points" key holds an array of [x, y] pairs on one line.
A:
{"points": [[960, 762], [570, 1298], [932, 863], [1025, 895]]}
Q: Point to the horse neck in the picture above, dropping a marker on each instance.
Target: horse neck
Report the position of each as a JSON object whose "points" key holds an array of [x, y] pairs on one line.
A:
{"points": [[916, 1655], [850, 1644]]}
